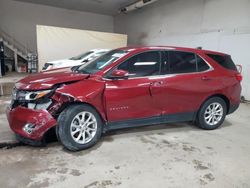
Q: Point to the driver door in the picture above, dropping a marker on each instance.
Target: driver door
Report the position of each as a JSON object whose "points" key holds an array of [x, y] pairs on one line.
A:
{"points": [[131, 98]]}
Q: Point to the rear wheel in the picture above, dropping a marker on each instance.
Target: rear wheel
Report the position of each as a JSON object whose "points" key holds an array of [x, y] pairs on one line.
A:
{"points": [[79, 127], [212, 113]]}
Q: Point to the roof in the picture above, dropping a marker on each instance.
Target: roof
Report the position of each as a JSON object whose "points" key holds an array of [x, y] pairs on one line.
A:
{"points": [[195, 50]]}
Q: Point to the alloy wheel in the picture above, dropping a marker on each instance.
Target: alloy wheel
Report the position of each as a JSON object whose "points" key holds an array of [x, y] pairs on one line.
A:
{"points": [[83, 127], [213, 113]]}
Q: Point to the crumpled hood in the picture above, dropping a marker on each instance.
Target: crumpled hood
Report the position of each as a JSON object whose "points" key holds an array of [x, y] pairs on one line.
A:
{"points": [[47, 79]]}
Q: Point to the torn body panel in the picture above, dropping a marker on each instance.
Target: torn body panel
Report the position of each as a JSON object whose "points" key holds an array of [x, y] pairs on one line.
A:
{"points": [[21, 116], [88, 91]]}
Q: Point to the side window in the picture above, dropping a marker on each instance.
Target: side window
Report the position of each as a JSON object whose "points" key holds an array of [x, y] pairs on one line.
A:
{"points": [[144, 64], [202, 65], [181, 62]]}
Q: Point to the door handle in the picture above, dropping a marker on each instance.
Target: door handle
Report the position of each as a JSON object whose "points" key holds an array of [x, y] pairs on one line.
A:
{"points": [[157, 83], [152, 84], [205, 78]]}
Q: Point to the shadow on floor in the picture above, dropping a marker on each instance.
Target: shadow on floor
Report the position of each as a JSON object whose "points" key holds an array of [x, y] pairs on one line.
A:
{"points": [[51, 138]]}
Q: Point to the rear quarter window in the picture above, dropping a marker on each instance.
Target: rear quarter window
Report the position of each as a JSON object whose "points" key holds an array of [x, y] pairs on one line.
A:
{"points": [[201, 64], [224, 60]]}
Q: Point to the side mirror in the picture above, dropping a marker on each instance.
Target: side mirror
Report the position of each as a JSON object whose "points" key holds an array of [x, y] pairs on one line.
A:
{"points": [[116, 74]]}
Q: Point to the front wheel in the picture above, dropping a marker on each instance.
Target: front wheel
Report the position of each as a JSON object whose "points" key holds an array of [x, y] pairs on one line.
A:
{"points": [[79, 127], [212, 113]]}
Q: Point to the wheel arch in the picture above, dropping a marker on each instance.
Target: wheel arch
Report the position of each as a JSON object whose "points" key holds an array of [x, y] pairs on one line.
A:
{"points": [[67, 104], [225, 98]]}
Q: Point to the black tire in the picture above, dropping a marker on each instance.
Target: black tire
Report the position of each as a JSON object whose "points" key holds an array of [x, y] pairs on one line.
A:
{"points": [[64, 127], [200, 119], [57, 133]]}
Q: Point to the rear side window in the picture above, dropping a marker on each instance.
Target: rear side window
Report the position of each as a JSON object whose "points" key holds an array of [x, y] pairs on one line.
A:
{"points": [[181, 62], [225, 61], [175, 62]]}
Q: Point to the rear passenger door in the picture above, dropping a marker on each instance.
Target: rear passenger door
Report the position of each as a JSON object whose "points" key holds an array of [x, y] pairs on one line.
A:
{"points": [[185, 82]]}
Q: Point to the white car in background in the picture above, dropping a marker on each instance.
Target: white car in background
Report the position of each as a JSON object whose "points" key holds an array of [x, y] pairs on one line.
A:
{"points": [[75, 61]]}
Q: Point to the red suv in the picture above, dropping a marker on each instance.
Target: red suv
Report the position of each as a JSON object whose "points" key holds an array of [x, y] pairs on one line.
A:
{"points": [[126, 87]]}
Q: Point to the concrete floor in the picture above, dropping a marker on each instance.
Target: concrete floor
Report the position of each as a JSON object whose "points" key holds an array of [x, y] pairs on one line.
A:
{"points": [[172, 155]]}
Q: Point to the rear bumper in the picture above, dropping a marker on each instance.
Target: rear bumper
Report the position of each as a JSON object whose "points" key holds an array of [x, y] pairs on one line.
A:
{"points": [[20, 116], [233, 108]]}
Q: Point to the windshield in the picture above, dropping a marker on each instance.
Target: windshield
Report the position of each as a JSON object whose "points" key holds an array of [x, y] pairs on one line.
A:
{"points": [[81, 56], [101, 62], [95, 55]]}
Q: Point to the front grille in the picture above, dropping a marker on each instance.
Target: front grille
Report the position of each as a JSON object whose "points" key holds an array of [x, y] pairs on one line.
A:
{"points": [[16, 103]]}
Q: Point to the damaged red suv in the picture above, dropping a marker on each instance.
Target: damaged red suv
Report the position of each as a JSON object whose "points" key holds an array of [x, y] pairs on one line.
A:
{"points": [[126, 87]]}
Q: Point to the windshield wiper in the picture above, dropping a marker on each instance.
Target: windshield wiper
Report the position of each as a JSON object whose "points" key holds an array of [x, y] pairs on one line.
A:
{"points": [[82, 71], [75, 68]]}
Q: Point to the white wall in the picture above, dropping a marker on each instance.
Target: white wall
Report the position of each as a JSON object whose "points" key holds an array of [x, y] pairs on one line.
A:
{"points": [[64, 42], [19, 20], [222, 25]]}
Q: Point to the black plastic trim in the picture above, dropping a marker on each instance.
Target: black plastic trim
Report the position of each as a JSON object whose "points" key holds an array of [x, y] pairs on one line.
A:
{"points": [[30, 141], [170, 118], [233, 108]]}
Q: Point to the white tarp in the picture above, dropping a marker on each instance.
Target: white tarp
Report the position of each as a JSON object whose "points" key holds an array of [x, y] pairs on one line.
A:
{"points": [[54, 43]]}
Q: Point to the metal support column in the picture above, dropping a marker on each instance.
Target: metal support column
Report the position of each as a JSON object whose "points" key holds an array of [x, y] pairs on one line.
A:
{"points": [[16, 61], [2, 64]]}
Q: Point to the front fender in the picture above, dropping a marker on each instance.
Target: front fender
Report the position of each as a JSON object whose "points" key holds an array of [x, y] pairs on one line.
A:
{"points": [[86, 91]]}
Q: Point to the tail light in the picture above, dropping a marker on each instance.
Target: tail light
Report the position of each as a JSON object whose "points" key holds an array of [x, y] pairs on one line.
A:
{"points": [[238, 77]]}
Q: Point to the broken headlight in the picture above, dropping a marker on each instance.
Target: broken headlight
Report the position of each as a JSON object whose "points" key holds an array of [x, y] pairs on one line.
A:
{"points": [[32, 99], [35, 95], [29, 95]]}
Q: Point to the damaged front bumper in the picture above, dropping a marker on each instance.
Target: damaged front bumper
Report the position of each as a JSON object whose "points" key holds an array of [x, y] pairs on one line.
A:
{"points": [[29, 123]]}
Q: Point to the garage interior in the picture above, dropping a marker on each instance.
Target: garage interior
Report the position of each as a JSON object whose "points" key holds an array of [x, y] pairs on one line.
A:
{"points": [[168, 155]]}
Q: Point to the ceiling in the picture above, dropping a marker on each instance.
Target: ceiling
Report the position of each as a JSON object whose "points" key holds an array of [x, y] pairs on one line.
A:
{"points": [[108, 7]]}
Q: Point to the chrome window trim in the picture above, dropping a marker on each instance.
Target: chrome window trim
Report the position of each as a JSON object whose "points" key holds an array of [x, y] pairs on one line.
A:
{"points": [[211, 68], [161, 76]]}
